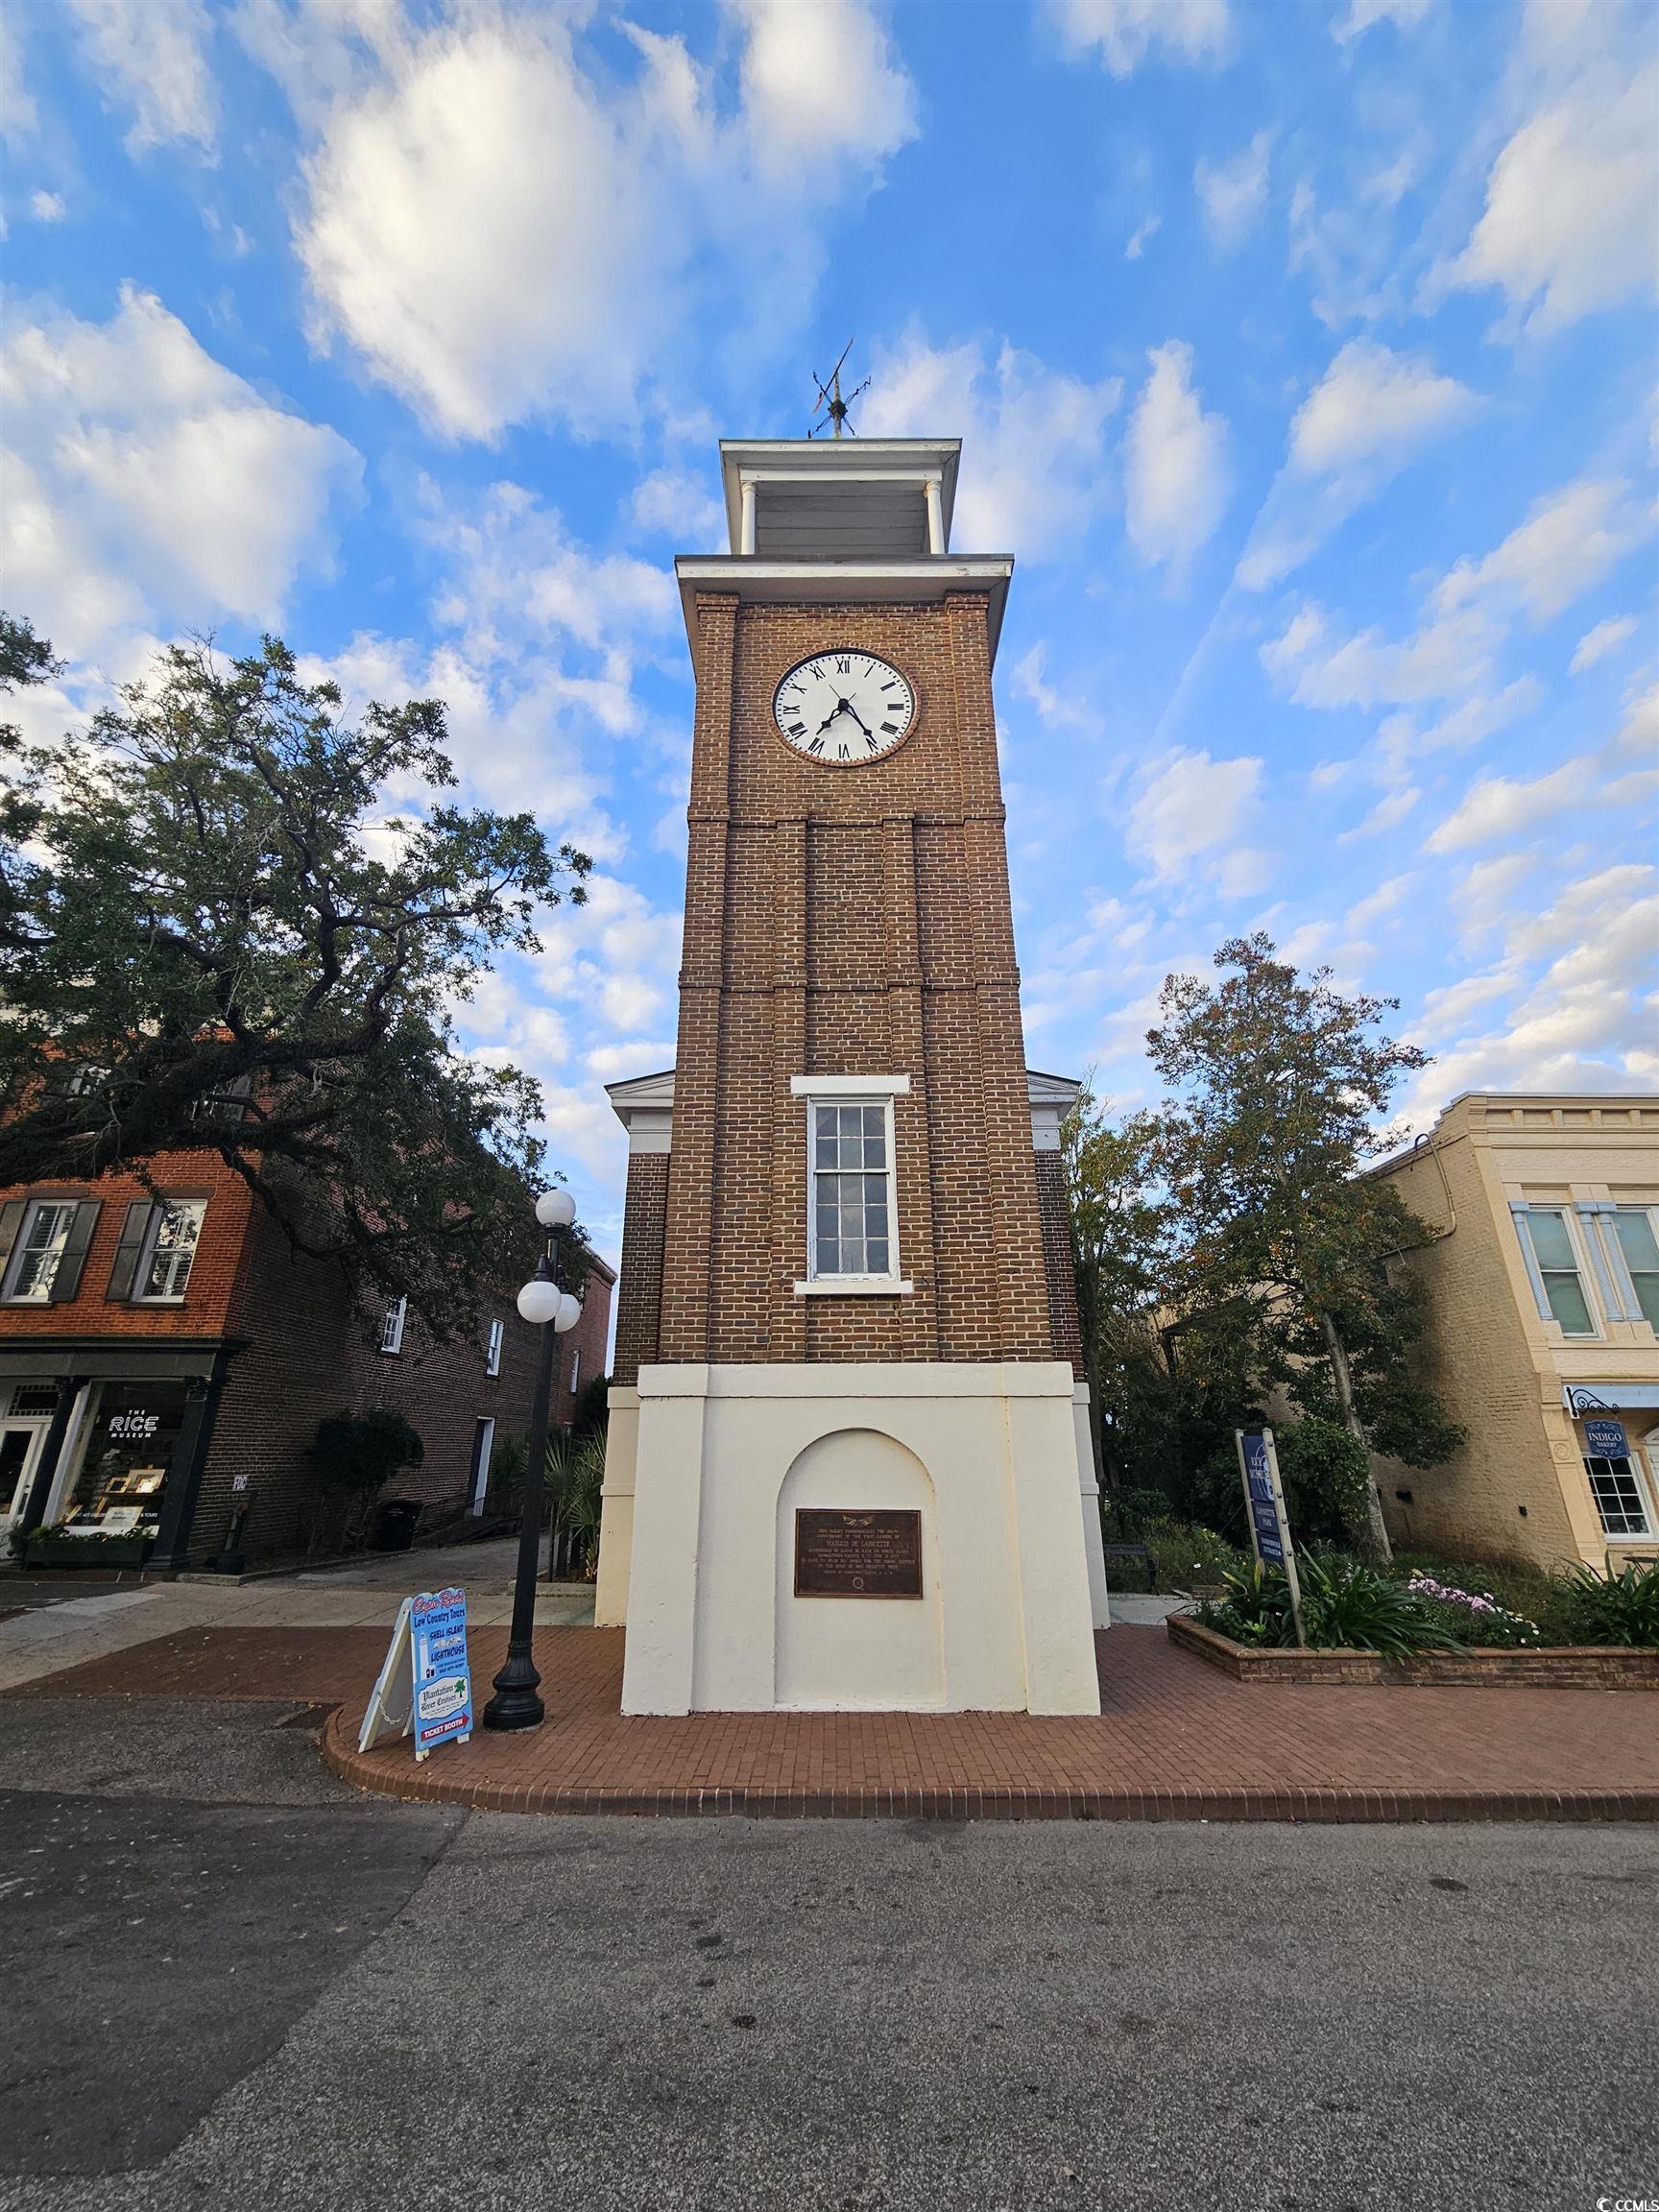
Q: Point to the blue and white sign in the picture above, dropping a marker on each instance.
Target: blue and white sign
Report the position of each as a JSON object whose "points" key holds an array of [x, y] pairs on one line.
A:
{"points": [[1264, 1501], [443, 1677], [426, 1683], [1606, 1440]]}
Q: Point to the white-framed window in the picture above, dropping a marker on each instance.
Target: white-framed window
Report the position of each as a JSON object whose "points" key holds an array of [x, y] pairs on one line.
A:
{"points": [[1552, 1266], [1630, 1249], [38, 1251], [575, 1368], [392, 1327], [1621, 1498], [852, 1192], [493, 1350], [169, 1250]]}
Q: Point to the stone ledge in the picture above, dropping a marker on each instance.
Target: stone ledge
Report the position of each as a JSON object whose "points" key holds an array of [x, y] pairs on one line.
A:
{"points": [[1572, 1666]]}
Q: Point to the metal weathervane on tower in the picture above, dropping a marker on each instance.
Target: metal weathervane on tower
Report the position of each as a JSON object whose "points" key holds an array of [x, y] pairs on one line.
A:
{"points": [[832, 406]]}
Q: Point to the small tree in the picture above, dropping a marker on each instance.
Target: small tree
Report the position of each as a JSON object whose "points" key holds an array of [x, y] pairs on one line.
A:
{"points": [[1278, 1084], [233, 917], [1120, 1229], [356, 1454]]}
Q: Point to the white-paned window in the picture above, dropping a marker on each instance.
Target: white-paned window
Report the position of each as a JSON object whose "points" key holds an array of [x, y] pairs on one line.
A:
{"points": [[575, 1370], [392, 1327], [1552, 1265], [169, 1250], [492, 1353], [851, 1171], [1632, 1247], [1619, 1492], [38, 1250]]}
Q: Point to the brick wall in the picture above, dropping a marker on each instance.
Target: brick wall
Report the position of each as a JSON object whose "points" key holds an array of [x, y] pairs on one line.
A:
{"points": [[850, 922], [640, 1295], [1055, 1214]]}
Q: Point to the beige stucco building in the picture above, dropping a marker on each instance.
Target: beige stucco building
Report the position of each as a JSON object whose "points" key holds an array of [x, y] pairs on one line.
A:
{"points": [[1543, 1284]]}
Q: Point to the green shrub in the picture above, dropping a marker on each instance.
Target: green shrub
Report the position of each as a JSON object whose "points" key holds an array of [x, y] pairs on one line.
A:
{"points": [[1347, 1605], [1622, 1608], [1327, 1477], [1254, 1606], [575, 1481], [1472, 1615], [355, 1455]]}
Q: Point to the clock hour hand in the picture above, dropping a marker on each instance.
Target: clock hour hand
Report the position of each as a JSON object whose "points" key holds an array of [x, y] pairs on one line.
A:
{"points": [[829, 717]]}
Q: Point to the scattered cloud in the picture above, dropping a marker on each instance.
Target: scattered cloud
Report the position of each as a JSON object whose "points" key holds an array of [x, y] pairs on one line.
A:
{"points": [[1371, 413], [672, 503], [1233, 194], [47, 206], [1193, 818], [1123, 34], [1606, 638], [153, 61], [499, 235], [1177, 481], [1034, 440], [1056, 710], [1496, 808], [1141, 235], [146, 482], [1568, 226], [1363, 14]]}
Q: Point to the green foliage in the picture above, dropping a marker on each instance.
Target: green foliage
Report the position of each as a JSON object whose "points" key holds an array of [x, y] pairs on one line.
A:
{"points": [[575, 1480], [1473, 1615], [1327, 1477], [507, 1463], [1348, 1605], [1622, 1608], [227, 893], [593, 1407], [361, 1451], [1254, 1606]]}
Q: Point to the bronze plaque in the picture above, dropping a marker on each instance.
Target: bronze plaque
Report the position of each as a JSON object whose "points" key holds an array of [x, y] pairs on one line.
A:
{"points": [[876, 1553]]}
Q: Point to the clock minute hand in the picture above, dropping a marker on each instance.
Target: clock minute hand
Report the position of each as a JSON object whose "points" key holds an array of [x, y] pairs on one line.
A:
{"points": [[847, 706]]}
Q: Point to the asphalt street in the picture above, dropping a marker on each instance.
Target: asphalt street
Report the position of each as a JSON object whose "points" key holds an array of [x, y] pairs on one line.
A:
{"points": [[231, 1983]]}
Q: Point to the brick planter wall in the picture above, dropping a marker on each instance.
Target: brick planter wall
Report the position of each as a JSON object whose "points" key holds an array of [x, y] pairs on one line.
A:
{"points": [[1578, 1667]]}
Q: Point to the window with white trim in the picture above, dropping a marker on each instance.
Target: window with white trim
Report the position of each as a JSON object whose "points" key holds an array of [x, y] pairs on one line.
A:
{"points": [[1631, 1242], [392, 1327], [169, 1250], [575, 1369], [852, 1172], [38, 1251], [1552, 1265], [1621, 1500], [492, 1353]]}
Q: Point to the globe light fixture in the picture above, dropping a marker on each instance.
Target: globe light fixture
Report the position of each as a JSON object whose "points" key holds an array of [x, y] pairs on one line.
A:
{"points": [[546, 1306]]}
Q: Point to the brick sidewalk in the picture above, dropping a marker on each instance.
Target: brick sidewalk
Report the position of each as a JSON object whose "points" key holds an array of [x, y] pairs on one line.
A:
{"points": [[1176, 1741]]}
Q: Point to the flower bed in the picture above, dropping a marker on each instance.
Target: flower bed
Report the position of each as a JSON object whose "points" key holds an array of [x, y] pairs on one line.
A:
{"points": [[1564, 1666]]}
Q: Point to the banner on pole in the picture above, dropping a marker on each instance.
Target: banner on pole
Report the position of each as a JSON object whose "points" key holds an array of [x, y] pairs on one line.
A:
{"points": [[425, 1687], [1264, 1503]]}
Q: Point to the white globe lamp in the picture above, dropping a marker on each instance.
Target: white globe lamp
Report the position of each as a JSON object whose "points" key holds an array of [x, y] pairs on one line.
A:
{"points": [[540, 1300], [569, 1313], [556, 1208]]}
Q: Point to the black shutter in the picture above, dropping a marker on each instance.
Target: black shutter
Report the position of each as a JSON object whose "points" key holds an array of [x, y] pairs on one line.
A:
{"points": [[132, 1232], [73, 1256], [11, 1222]]}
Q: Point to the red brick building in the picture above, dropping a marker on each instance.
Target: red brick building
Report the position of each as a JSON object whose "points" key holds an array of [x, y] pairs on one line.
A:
{"points": [[166, 1358]]}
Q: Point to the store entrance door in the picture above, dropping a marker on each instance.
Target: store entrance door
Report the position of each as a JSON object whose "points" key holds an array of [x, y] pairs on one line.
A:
{"points": [[19, 1456]]}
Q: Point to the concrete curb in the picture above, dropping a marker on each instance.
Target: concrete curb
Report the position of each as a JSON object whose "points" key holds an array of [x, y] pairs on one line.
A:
{"points": [[392, 1773]]}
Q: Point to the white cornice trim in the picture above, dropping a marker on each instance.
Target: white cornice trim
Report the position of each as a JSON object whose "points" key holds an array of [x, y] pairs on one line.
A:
{"points": [[926, 577], [849, 1086]]}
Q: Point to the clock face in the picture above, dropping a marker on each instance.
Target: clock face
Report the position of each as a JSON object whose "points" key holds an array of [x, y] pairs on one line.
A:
{"points": [[842, 708]]}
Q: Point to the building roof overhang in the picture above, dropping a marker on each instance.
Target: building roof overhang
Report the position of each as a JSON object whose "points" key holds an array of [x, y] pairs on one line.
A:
{"points": [[915, 581]]}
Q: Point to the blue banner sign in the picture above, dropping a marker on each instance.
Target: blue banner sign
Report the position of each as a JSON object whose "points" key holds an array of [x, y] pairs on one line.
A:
{"points": [[1264, 1504], [1606, 1440], [442, 1678]]}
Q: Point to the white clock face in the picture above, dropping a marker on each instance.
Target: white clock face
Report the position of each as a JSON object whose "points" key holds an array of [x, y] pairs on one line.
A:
{"points": [[842, 708]]}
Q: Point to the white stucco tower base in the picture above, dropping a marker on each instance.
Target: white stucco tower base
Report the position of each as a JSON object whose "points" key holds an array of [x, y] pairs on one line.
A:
{"points": [[722, 1457]]}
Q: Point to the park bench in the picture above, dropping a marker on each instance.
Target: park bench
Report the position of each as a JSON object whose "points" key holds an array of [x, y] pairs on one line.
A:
{"points": [[1139, 1551]]}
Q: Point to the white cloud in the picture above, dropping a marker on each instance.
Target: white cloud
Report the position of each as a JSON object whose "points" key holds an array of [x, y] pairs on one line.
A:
{"points": [[47, 206], [1569, 542], [1033, 439], [1188, 806], [1124, 33], [148, 481], [499, 235], [673, 504], [1363, 13], [1056, 710], [515, 574], [1233, 194], [821, 84], [1142, 234], [153, 59], [1177, 481], [1496, 808], [1371, 413], [19, 118], [1595, 645], [1568, 226]]}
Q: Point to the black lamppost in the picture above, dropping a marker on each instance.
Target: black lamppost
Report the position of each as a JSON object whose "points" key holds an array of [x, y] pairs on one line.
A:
{"points": [[517, 1703]]}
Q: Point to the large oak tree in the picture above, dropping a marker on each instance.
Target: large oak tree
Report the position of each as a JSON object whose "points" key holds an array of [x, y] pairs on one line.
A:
{"points": [[235, 916]]}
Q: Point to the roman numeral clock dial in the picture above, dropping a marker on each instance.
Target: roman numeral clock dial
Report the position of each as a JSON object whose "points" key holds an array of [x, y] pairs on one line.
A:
{"points": [[844, 708]]}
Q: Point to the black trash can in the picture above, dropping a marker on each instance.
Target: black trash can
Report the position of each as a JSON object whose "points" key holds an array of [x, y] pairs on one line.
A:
{"points": [[395, 1525]]}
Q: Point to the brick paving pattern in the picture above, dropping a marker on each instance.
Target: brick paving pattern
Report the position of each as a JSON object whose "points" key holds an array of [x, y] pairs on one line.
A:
{"points": [[1176, 1740]]}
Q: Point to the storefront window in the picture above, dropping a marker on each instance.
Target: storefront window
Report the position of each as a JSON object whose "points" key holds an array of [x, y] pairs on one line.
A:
{"points": [[123, 1477], [170, 1249]]}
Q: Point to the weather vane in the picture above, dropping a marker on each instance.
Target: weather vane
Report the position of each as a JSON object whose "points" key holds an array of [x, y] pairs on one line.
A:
{"points": [[830, 404]]}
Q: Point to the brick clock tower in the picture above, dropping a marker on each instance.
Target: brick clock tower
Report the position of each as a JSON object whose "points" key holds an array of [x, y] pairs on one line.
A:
{"points": [[849, 1465]]}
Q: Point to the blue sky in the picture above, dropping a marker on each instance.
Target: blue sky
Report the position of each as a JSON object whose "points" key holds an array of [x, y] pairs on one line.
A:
{"points": [[1303, 355]]}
